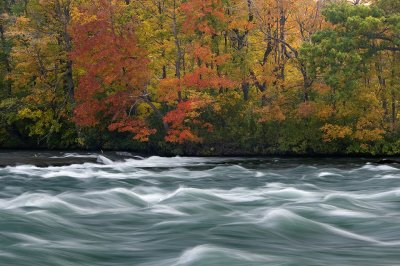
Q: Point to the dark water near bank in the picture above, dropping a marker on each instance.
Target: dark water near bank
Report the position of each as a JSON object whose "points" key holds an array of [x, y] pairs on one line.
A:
{"points": [[201, 211]]}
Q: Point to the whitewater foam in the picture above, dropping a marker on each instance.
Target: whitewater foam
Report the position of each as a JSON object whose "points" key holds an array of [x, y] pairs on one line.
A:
{"points": [[200, 211]]}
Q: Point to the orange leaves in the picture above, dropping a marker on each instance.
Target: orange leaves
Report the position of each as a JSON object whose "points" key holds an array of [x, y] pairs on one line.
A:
{"points": [[269, 113], [179, 120], [114, 70], [306, 109], [368, 135], [181, 136], [168, 88], [136, 126], [333, 132], [368, 130], [184, 120], [85, 113], [106, 50], [206, 78], [359, 133], [201, 15], [202, 53], [325, 111], [243, 24], [179, 115], [321, 88]]}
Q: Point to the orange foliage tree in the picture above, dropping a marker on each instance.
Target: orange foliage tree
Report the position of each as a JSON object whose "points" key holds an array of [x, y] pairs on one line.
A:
{"points": [[203, 24], [113, 70]]}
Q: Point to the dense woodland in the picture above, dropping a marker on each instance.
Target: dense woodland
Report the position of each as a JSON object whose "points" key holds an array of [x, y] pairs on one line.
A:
{"points": [[204, 77]]}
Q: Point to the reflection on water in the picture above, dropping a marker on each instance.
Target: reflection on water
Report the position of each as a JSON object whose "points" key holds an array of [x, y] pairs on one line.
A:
{"points": [[200, 211]]}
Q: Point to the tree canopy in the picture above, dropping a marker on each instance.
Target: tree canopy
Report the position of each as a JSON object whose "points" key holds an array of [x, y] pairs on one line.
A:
{"points": [[201, 76]]}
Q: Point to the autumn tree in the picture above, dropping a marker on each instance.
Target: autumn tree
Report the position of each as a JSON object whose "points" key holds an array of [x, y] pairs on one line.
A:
{"points": [[203, 24], [356, 59], [39, 70], [112, 88]]}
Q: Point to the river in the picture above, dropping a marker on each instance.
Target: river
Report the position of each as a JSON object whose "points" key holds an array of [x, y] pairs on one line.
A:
{"points": [[200, 211]]}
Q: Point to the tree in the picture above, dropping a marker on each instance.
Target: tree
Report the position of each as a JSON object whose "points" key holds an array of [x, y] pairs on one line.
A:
{"points": [[40, 72], [115, 75], [358, 49], [203, 24]]}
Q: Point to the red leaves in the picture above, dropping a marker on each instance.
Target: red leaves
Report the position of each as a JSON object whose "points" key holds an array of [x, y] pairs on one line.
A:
{"points": [[182, 120], [203, 20], [201, 15], [114, 69], [136, 126], [178, 115], [205, 75], [181, 136], [206, 78]]}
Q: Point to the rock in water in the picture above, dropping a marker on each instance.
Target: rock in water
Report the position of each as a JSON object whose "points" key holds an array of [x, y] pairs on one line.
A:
{"points": [[388, 161]]}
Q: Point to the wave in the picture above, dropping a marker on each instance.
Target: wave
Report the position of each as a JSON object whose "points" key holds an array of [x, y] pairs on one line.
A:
{"points": [[39, 200], [372, 167], [75, 155], [214, 195], [207, 254], [86, 203], [153, 167], [202, 252], [199, 211], [366, 197], [325, 174], [104, 160], [288, 223]]}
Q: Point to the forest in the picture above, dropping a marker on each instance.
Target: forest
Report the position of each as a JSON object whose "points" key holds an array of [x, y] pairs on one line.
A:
{"points": [[201, 77]]}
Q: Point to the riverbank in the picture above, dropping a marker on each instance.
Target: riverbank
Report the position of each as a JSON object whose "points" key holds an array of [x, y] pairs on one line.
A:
{"points": [[47, 158]]}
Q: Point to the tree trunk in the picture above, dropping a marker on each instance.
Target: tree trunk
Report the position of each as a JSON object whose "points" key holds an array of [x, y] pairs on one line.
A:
{"points": [[245, 89], [178, 58], [6, 60]]}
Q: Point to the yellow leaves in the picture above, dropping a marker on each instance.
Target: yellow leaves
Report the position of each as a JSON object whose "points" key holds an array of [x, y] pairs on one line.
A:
{"points": [[4, 17], [364, 131], [367, 129], [334, 132], [226, 101], [369, 135], [42, 122], [21, 28], [325, 111], [23, 20], [241, 24], [27, 113], [82, 17], [144, 110], [168, 89]]}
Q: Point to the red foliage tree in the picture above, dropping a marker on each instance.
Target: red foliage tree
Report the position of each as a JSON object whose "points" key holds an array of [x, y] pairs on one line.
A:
{"points": [[204, 22], [114, 70]]}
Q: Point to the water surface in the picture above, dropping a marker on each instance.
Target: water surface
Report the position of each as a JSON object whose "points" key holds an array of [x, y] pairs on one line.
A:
{"points": [[201, 211]]}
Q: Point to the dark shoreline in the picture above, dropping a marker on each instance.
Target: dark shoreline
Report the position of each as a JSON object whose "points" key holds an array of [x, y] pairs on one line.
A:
{"points": [[57, 158], [201, 154]]}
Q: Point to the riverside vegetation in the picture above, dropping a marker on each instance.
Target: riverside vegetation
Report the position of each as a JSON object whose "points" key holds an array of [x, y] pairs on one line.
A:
{"points": [[201, 77]]}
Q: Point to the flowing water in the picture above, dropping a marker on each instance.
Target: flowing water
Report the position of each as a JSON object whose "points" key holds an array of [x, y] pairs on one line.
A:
{"points": [[201, 211]]}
